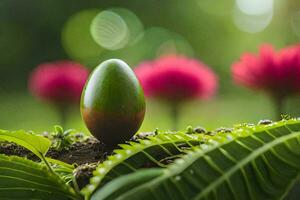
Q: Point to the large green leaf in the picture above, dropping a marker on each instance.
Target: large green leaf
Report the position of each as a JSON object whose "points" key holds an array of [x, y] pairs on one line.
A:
{"points": [[147, 152], [111, 190], [37, 144], [24, 179], [253, 162]]}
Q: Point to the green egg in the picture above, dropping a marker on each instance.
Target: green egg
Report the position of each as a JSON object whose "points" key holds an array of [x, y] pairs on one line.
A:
{"points": [[112, 103]]}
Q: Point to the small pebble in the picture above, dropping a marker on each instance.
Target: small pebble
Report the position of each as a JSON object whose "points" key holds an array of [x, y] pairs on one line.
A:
{"points": [[199, 129], [224, 130], [79, 135], [211, 133], [265, 122], [142, 135]]}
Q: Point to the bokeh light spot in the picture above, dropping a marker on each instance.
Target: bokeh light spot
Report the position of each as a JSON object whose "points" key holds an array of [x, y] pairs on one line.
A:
{"points": [[255, 7], [109, 30], [154, 42], [77, 40], [252, 23], [135, 26]]}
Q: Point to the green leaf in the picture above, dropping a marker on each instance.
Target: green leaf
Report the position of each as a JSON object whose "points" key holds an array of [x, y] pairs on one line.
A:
{"points": [[38, 145], [253, 162], [125, 183], [24, 179], [64, 170], [60, 163], [58, 129], [151, 151]]}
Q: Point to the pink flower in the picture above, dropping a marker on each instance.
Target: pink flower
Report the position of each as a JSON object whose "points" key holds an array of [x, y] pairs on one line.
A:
{"points": [[58, 82], [276, 73], [176, 78]]}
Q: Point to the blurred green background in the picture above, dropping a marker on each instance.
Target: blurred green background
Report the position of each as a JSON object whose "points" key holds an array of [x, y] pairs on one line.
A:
{"points": [[215, 31]]}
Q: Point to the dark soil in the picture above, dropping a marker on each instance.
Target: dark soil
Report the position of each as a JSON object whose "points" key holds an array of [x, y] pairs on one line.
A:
{"points": [[86, 154], [83, 173], [11, 149], [89, 151], [79, 153]]}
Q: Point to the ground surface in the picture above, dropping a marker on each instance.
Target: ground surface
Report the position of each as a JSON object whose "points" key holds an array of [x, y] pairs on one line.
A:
{"points": [[85, 155]]}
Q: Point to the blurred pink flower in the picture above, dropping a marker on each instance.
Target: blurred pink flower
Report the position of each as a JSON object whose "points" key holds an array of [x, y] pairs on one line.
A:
{"points": [[276, 73], [176, 79], [58, 82]]}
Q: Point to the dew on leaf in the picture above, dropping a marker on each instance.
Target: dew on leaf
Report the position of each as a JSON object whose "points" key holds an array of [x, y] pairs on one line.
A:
{"points": [[177, 178]]}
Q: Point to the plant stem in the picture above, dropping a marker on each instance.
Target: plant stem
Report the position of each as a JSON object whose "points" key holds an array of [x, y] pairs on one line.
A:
{"points": [[76, 187], [63, 114], [175, 115], [47, 164], [278, 105]]}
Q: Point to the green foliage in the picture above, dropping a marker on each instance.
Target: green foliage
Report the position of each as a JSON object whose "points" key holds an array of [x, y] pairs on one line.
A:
{"points": [[37, 144], [58, 162], [64, 170], [246, 162], [62, 139], [251, 162], [125, 183], [153, 150], [24, 179]]}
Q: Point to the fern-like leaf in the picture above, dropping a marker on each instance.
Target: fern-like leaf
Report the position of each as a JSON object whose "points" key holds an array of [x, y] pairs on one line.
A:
{"points": [[151, 151], [24, 179], [253, 162], [111, 190]]}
